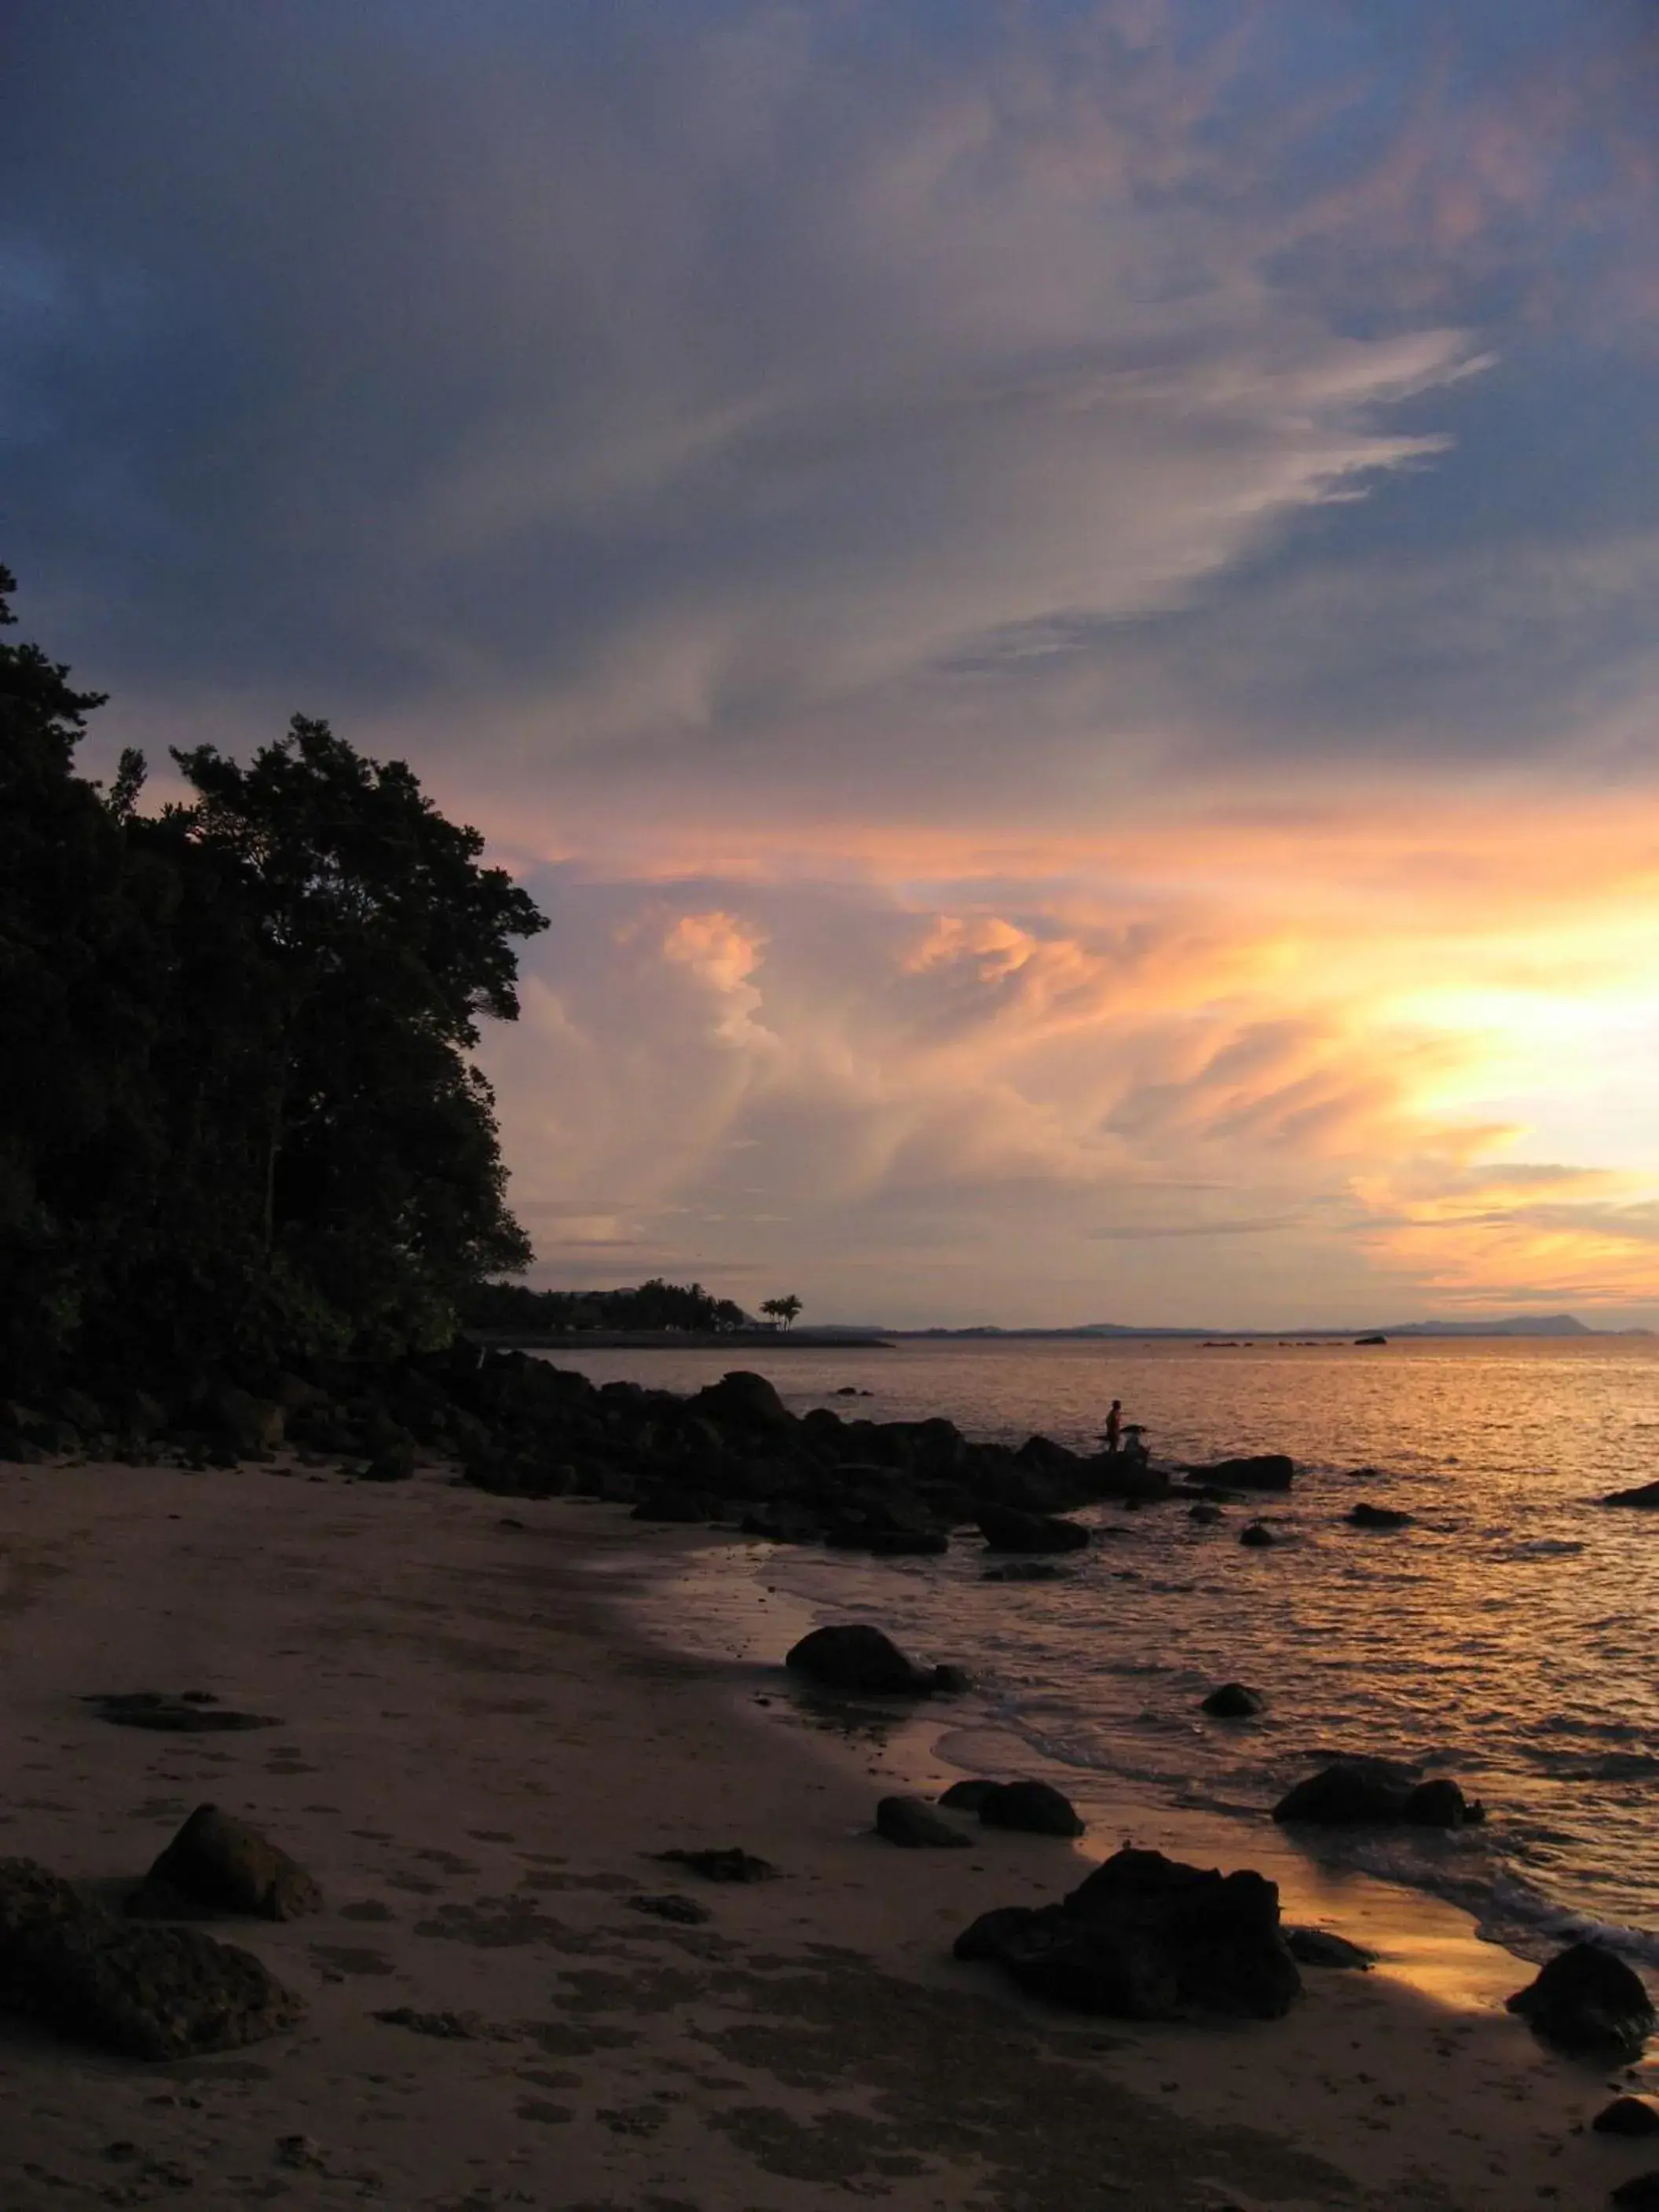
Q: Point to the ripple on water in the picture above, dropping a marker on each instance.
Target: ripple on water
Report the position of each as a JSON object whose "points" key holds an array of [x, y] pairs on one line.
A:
{"points": [[1507, 1631]]}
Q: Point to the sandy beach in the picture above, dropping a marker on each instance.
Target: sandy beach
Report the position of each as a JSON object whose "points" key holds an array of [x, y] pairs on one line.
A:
{"points": [[484, 1730]]}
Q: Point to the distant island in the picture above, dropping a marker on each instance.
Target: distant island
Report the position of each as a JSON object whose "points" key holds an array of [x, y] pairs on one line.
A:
{"points": [[1522, 1325]]}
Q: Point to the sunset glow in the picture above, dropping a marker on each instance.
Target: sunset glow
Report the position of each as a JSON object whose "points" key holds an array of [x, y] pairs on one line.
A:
{"points": [[1055, 603]]}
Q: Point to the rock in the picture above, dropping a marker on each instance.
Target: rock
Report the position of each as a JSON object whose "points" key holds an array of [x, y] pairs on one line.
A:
{"points": [[732, 1864], [1147, 1938], [247, 1425], [186, 1716], [671, 1906], [1588, 1999], [1206, 1515], [1645, 1495], [914, 1826], [394, 1462], [968, 1796], [1318, 1946], [742, 1401], [1257, 1537], [1234, 1702], [1035, 1807], [1027, 1570], [1006, 1529], [1343, 1794], [220, 1861], [852, 1656], [1377, 1517], [1628, 2115], [147, 1992], [1353, 1791], [1439, 1803], [1639, 2194], [948, 1681], [1260, 1470]]}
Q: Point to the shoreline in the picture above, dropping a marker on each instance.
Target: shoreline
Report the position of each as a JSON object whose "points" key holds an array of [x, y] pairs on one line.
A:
{"points": [[480, 1736], [1427, 1941]]}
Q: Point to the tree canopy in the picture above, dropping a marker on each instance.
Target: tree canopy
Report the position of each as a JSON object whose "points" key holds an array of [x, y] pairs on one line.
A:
{"points": [[511, 1308], [242, 1125]]}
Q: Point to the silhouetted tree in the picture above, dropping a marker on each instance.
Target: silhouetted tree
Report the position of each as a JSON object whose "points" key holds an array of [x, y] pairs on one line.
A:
{"points": [[239, 1123], [783, 1310]]}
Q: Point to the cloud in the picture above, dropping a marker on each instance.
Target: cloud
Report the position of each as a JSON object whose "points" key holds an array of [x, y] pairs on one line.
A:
{"points": [[1054, 600]]}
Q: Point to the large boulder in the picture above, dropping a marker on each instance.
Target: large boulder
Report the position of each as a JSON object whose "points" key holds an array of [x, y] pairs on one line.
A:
{"points": [[1645, 1496], [226, 1865], [1588, 1999], [147, 1992], [1353, 1792], [1147, 1938], [853, 1657], [1006, 1529], [742, 1401], [1257, 1471]]}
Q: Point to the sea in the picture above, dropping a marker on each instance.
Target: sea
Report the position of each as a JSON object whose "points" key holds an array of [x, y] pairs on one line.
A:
{"points": [[1508, 1637]]}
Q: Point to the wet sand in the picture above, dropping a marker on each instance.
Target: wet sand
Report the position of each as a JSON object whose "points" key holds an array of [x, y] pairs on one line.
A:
{"points": [[484, 1732]]}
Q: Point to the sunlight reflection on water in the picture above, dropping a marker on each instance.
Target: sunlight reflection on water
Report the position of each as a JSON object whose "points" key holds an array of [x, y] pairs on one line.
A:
{"points": [[1505, 1636]]}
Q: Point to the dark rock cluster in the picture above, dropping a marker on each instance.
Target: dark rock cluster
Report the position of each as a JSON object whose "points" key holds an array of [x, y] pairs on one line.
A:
{"points": [[1145, 1937], [147, 1991], [734, 1454], [1353, 1792]]}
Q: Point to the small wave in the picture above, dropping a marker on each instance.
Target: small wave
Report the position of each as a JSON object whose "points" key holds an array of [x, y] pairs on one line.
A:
{"points": [[1542, 1548], [1517, 1915], [1597, 1766]]}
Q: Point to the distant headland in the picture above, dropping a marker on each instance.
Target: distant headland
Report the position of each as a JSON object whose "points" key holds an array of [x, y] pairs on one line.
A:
{"points": [[1511, 1324]]}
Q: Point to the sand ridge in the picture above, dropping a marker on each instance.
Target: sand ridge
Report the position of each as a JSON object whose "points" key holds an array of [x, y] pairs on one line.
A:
{"points": [[475, 1753]]}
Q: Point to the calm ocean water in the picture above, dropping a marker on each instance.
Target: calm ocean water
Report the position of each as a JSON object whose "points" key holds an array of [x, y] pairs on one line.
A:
{"points": [[1507, 1637]]}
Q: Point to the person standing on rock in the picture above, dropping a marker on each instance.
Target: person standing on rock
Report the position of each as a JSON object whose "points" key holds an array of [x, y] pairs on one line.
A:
{"points": [[1115, 1425]]}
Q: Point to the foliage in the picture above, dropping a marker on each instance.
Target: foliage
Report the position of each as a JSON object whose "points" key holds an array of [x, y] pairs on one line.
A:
{"points": [[510, 1306], [783, 1310], [242, 1126]]}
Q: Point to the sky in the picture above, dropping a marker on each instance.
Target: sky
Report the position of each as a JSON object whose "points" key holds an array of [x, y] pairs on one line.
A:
{"points": [[1054, 597]]}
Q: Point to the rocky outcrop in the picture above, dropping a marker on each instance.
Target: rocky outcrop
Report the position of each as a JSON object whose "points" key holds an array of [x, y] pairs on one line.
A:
{"points": [[1353, 1792], [1147, 1938], [226, 1865], [147, 1992], [1257, 1537], [742, 1401], [861, 1661], [1587, 2000], [1006, 1529], [914, 1825]]}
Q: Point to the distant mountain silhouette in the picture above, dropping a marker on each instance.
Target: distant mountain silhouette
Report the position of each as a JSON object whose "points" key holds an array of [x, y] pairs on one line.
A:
{"points": [[1524, 1325]]}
